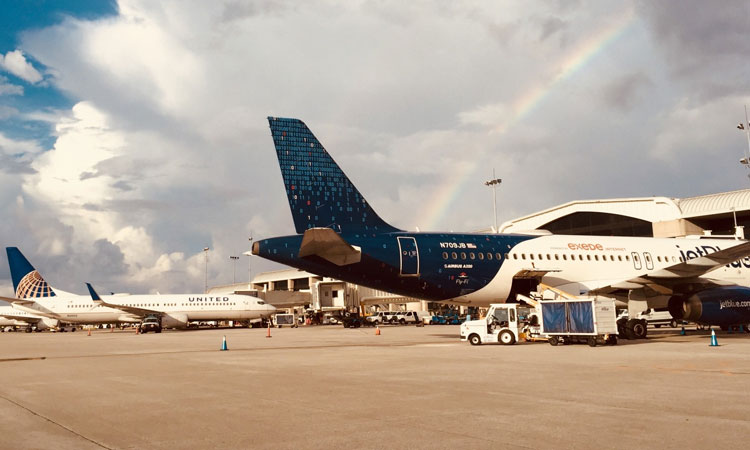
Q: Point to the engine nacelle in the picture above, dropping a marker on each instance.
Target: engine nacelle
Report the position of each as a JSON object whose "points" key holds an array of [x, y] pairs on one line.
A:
{"points": [[46, 323], [723, 306], [174, 320]]}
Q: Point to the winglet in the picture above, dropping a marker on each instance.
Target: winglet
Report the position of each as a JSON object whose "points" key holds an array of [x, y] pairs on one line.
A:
{"points": [[94, 296]]}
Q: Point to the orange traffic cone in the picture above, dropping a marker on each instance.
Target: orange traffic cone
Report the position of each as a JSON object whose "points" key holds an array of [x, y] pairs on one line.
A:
{"points": [[268, 334], [89, 331], [377, 330], [137, 330]]}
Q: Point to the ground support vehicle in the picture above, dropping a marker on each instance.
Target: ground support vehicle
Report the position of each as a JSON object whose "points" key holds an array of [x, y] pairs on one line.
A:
{"points": [[354, 320], [150, 323], [580, 320], [590, 321], [283, 319], [501, 325]]}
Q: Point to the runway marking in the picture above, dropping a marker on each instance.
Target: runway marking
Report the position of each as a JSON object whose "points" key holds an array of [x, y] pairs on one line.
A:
{"points": [[70, 430]]}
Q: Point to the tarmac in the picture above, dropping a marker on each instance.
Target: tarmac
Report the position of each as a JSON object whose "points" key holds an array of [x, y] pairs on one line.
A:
{"points": [[331, 387]]}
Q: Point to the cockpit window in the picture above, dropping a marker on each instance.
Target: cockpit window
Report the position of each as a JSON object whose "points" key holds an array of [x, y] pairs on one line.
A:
{"points": [[261, 302]]}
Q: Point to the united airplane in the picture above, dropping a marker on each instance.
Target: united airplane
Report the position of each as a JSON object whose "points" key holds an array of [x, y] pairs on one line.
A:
{"points": [[34, 295], [339, 235]]}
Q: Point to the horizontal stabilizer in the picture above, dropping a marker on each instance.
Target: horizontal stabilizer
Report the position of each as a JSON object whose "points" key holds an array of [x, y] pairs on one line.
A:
{"points": [[327, 244], [17, 301]]}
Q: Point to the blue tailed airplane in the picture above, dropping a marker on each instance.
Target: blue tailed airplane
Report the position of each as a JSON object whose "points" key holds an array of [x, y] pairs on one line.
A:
{"points": [[341, 236]]}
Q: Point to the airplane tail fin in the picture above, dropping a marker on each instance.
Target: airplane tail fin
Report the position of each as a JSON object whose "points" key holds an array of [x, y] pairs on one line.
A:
{"points": [[27, 282], [320, 194]]}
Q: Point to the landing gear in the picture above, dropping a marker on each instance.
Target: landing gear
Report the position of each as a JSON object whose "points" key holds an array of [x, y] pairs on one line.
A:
{"points": [[636, 329]]}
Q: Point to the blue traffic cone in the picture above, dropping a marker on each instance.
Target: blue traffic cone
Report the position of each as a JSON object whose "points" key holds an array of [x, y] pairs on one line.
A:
{"points": [[714, 342], [224, 344], [682, 332]]}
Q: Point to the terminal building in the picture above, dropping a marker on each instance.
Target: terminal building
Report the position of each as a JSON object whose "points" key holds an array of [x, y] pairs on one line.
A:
{"points": [[724, 213]]}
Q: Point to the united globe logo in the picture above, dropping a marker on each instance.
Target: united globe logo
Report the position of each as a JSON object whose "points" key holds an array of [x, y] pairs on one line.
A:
{"points": [[33, 285]]}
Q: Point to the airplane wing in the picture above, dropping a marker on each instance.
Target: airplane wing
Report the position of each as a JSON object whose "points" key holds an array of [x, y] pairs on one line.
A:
{"points": [[128, 309], [686, 272], [17, 301]]}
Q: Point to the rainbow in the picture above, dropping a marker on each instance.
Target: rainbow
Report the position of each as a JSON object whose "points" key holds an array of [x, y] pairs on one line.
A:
{"points": [[570, 64]]}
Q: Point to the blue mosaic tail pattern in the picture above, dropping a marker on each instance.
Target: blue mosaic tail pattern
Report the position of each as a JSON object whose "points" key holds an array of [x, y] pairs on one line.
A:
{"points": [[319, 193]]}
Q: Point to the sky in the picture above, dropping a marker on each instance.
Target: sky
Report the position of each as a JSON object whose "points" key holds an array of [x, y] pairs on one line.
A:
{"points": [[133, 134]]}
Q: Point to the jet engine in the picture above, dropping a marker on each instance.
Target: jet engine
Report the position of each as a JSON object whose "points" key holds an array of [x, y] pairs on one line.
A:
{"points": [[722, 306], [46, 323], [174, 320]]}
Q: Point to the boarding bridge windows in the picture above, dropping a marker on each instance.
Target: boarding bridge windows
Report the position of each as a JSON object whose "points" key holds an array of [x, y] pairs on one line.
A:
{"points": [[637, 261], [649, 261]]}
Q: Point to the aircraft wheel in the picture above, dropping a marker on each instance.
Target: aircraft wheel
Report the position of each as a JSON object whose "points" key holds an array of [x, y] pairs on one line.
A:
{"points": [[474, 339]]}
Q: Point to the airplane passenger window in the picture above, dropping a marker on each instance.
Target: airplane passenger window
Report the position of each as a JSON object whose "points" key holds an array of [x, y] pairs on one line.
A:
{"points": [[619, 257], [463, 255], [596, 257], [580, 257], [557, 257], [506, 256], [489, 255], [588, 257], [658, 259], [481, 255], [471, 255], [445, 255], [565, 257], [531, 256], [454, 255], [523, 255], [498, 256], [627, 257]]}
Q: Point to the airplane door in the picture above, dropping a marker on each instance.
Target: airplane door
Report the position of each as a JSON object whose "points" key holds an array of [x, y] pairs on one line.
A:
{"points": [[649, 260], [637, 261], [407, 247]]}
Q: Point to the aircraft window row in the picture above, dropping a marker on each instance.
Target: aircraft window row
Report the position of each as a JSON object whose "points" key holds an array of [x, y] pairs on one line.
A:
{"points": [[471, 255], [571, 257]]}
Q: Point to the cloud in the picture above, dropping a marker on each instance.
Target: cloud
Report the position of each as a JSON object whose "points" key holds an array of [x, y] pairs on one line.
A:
{"points": [[9, 88], [167, 149], [15, 62]]}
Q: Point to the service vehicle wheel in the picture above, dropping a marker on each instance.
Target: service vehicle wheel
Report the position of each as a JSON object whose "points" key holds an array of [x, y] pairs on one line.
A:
{"points": [[592, 341], [553, 340], [612, 340], [673, 323], [506, 338], [474, 339], [402, 322]]}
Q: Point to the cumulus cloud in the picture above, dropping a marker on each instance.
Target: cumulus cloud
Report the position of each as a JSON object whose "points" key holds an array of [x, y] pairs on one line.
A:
{"points": [[15, 62]]}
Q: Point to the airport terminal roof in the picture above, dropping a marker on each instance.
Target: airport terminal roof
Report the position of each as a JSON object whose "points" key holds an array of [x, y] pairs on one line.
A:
{"points": [[650, 209]]}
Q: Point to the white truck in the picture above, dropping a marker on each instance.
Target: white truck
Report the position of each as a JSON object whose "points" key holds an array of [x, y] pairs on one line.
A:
{"points": [[589, 320]]}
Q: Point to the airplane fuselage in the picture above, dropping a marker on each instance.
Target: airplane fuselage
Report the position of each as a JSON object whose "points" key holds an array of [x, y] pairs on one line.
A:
{"points": [[479, 269]]}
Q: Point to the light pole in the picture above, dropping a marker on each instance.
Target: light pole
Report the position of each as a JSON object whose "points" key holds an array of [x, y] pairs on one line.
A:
{"points": [[493, 184], [205, 288], [234, 268], [746, 128]]}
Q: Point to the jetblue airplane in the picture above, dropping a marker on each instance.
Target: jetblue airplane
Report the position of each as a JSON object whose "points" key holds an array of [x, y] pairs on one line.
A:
{"points": [[341, 236], [34, 295]]}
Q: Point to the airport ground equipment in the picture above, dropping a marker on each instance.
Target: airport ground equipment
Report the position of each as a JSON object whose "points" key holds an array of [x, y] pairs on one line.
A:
{"points": [[502, 324], [281, 320], [586, 320], [592, 321], [150, 323]]}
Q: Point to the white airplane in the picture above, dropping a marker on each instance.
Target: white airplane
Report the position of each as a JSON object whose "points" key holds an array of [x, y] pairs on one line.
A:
{"points": [[34, 295], [12, 317], [340, 235]]}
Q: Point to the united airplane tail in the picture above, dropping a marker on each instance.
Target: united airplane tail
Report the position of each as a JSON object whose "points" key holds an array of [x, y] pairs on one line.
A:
{"points": [[320, 194], [27, 282]]}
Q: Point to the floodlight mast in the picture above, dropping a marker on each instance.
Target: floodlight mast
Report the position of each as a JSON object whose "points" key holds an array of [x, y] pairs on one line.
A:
{"points": [[493, 184]]}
